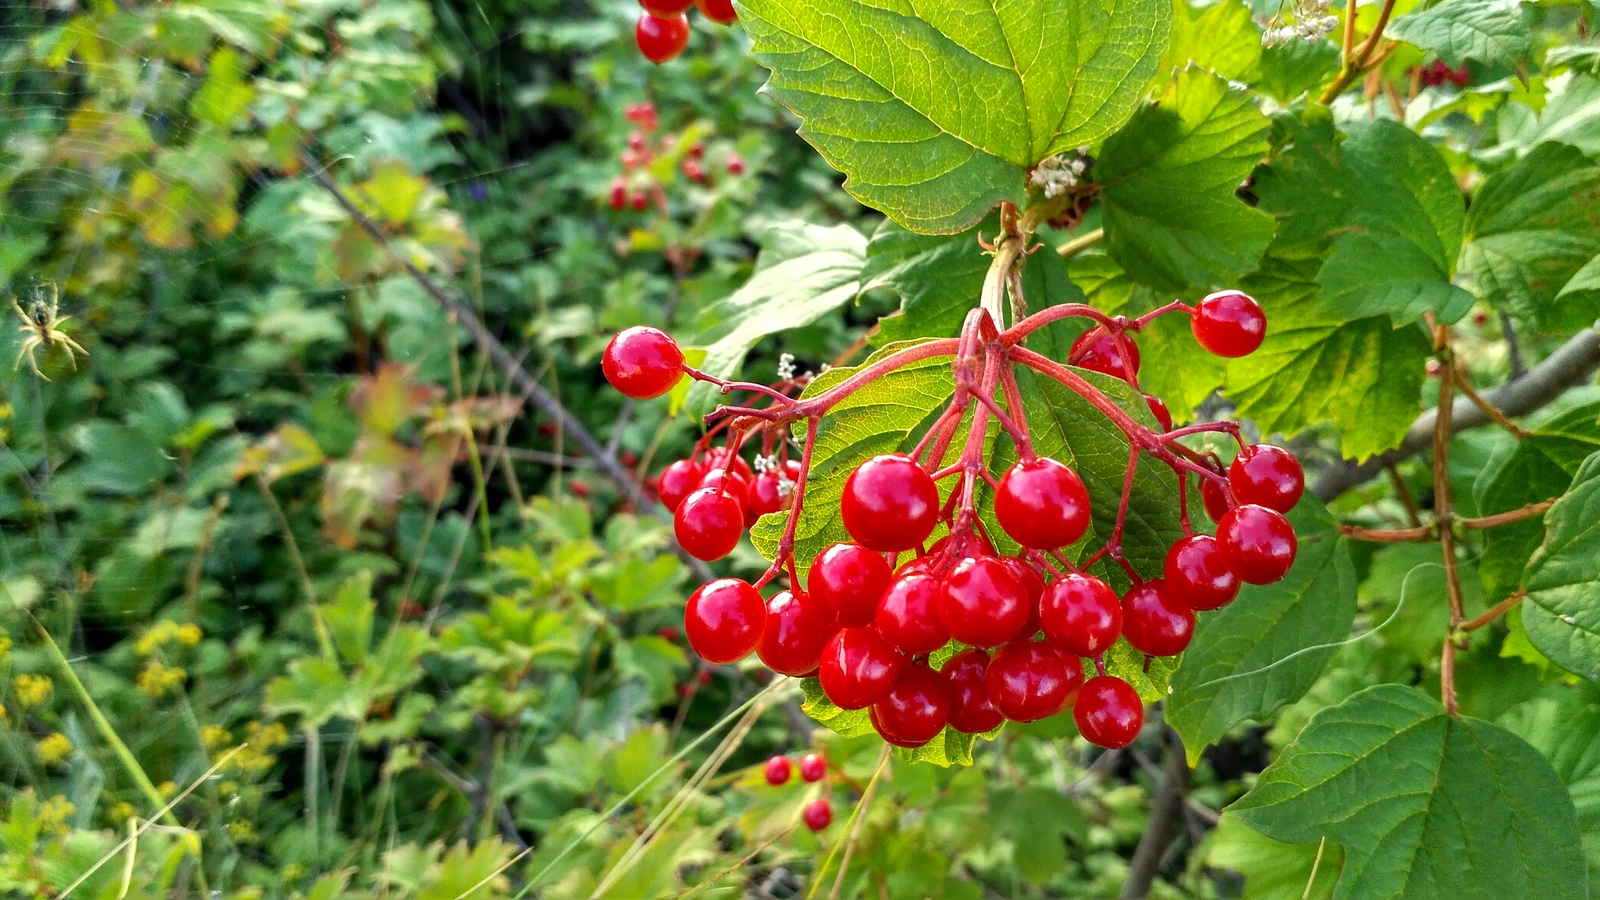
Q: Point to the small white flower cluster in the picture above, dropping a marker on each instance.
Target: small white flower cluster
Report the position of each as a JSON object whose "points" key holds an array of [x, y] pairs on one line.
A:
{"points": [[1059, 173], [1312, 22], [786, 367], [763, 463]]}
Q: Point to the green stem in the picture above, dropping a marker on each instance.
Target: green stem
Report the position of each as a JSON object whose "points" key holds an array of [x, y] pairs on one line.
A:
{"points": [[1081, 243]]}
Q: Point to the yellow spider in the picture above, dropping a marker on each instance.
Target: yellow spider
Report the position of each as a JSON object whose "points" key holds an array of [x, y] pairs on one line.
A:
{"points": [[39, 323]]}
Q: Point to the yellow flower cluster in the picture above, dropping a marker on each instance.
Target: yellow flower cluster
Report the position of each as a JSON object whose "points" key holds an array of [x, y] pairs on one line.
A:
{"points": [[32, 690], [256, 758], [121, 813], [53, 748], [167, 632], [54, 813], [156, 679], [215, 737]]}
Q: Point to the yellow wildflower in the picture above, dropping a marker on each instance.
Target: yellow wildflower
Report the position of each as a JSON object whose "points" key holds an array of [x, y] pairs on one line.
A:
{"points": [[215, 737], [32, 690], [189, 635], [54, 813], [54, 748], [120, 813], [156, 679]]}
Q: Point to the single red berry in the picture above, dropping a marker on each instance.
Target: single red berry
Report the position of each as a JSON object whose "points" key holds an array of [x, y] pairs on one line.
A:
{"points": [[636, 142], [640, 201], [665, 8], [778, 770], [813, 768], [983, 603], [818, 814], [735, 165], [642, 362], [708, 523], [1196, 576], [1080, 614], [915, 710], [693, 171], [921, 565], [1461, 76], [661, 38], [718, 11], [908, 615], [619, 194], [677, 480], [1101, 351], [970, 709], [698, 151], [1217, 499], [1042, 504], [1158, 408], [858, 668], [1229, 324], [1108, 712], [889, 503], [1267, 476], [767, 494], [1033, 585], [797, 627], [1031, 680], [850, 579], [669, 633], [723, 458], [1257, 544], [1155, 623], [724, 620]]}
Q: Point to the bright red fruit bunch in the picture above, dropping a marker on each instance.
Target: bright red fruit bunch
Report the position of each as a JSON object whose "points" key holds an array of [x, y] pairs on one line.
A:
{"points": [[954, 633], [663, 29], [636, 188], [817, 814]]}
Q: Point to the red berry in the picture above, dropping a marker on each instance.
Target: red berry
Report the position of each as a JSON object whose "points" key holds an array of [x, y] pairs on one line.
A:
{"points": [[641, 202], [1031, 680], [1196, 575], [677, 480], [729, 482], [661, 38], [642, 362], [889, 503], [970, 709], [818, 814], [797, 627], [1461, 76], [1158, 408], [693, 171], [1033, 585], [708, 524], [1229, 324], [858, 668], [915, 710], [1100, 351], [766, 495], [778, 770], [619, 194], [850, 579], [718, 11], [1267, 476], [735, 165], [723, 458], [1080, 614], [1153, 622], [724, 620], [1216, 498], [1257, 544], [698, 151], [1108, 712], [636, 142], [813, 768], [1042, 504], [983, 603], [908, 615], [665, 8]]}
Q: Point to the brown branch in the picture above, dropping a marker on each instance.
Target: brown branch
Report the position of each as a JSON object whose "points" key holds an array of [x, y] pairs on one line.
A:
{"points": [[1166, 813], [1495, 612], [1489, 409], [1506, 518], [1403, 492], [1388, 536], [1442, 511]]}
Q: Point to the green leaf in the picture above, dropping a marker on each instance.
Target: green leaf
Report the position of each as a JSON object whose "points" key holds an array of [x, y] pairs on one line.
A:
{"points": [[1273, 870], [1562, 611], [1571, 115], [938, 124], [845, 722], [1490, 31], [1171, 215], [120, 460], [1236, 669], [1426, 805], [1566, 729], [1295, 67], [948, 748], [1578, 304], [803, 273], [1306, 188], [1223, 38], [1038, 822], [1530, 230]]}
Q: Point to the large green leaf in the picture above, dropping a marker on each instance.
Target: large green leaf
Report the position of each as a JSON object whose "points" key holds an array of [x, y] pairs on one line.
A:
{"points": [[1238, 667], [1571, 115], [1172, 218], [1426, 805], [1532, 227], [1490, 31], [1222, 37], [935, 113], [1562, 611], [1578, 304], [1566, 729], [803, 273]]}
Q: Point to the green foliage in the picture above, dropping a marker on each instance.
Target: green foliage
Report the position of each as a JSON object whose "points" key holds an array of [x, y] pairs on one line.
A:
{"points": [[1560, 613], [1483, 30]]}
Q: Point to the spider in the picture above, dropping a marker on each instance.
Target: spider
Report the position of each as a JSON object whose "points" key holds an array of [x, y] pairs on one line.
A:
{"points": [[39, 323]]}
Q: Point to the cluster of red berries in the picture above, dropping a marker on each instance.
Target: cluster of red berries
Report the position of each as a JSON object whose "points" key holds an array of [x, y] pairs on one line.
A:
{"points": [[1438, 72], [663, 29], [636, 187], [875, 617], [818, 814]]}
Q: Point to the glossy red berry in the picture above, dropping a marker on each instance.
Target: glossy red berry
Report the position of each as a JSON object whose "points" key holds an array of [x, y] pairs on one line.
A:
{"points": [[1257, 544], [858, 668], [1031, 680], [724, 620], [735, 165], [768, 494], [1215, 497], [915, 710], [797, 627], [908, 615], [1042, 504], [708, 523], [1158, 408], [818, 814], [778, 770], [718, 11], [723, 458], [642, 362], [889, 503], [1108, 712], [813, 768], [1033, 585], [618, 196], [970, 709], [661, 38], [1154, 622], [666, 7], [982, 603], [677, 481], [1229, 324], [1081, 615], [1100, 351], [640, 201], [850, 579], [1267, 476], [1196, 575]]}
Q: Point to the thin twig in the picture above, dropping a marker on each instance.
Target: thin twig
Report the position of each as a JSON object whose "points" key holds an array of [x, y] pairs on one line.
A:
{"points": [[1506, 518], [1489, 409], [1495, 612], [324, 640], [1443, 511], [1403, 492], [1508, 330], [1357, 65], [1388, 536], [1082, 242], [738, 865], [855, 828]]}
